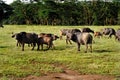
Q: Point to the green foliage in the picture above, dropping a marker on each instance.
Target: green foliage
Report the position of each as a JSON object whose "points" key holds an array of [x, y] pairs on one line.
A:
{"points": [[5, 11], [14, 63], [72, 12]]}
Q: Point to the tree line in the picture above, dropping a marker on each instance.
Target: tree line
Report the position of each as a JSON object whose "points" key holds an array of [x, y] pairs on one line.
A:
{"points": [[71, 12]]}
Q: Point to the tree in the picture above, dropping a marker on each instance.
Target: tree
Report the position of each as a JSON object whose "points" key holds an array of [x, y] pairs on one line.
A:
{"points": [[5, 11], [70, 12]]}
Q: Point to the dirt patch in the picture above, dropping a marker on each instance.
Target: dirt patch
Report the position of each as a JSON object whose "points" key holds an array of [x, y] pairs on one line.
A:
{"points": [[68, 75]]}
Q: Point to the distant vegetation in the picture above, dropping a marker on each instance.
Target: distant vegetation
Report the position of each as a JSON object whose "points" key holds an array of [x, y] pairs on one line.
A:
{"points": [[70, 12]]}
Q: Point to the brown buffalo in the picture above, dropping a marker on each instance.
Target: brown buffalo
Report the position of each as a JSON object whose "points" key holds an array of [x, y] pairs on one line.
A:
{"points": [[45, 38], [97, 34]]}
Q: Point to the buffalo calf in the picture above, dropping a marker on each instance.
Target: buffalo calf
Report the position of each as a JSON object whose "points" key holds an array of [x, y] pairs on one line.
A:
{"points": [[97, 34]]}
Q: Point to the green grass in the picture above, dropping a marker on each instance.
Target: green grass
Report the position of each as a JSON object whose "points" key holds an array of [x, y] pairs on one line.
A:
{"points": [[105, 59]]}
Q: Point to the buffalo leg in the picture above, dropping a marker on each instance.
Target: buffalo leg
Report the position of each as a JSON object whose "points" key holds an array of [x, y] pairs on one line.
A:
{"points": [[110, 35], [41, 46], [86, 48], [33, 46], [23, 44], [91, 48], [38, 47], [53, 46], [67, 41], [60, 37], [49, 45], [18, 44], [78, 44]]}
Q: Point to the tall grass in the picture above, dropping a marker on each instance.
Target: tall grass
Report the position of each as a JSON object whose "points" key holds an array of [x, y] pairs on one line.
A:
{"points": [[105, 59]]}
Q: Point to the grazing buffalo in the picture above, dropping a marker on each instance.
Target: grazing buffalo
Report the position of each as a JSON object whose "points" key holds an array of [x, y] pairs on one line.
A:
{"points": [[81, 38], [117, 36], [87, 30], [45, 38], [97, 34], [63, 32], [29, 38], [14, 35], [108, 31]]}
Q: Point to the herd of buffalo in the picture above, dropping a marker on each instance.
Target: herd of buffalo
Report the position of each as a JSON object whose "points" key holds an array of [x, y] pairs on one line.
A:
{"points": [[81, 37]]}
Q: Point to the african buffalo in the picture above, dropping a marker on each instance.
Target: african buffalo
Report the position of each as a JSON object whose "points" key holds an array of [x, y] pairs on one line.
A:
{"points": [[14, 35], [45, 38], [29, 38], [81, 38], [108, 31], [87, 30], [97, 34], [63, 32]]}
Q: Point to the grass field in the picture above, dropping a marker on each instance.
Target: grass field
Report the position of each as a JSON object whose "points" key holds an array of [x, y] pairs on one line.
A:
{"points": [[105, 59]]}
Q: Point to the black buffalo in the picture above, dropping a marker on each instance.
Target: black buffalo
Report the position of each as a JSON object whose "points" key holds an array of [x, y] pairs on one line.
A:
{"points": [[29, 38], [81, 38], [15, 35], [109, 32]]}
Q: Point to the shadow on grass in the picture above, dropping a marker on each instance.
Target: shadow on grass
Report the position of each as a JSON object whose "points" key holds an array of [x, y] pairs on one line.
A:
{"points": [[4, 46], [58, 48], [102, 51]]}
